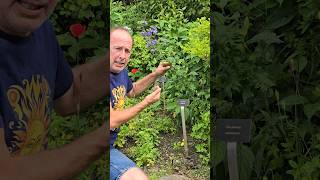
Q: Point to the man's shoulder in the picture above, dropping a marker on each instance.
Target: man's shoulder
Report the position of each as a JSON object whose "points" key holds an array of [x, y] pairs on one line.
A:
{"points": [[120, 78], [121, 74], [124, 71], [45, 30]]}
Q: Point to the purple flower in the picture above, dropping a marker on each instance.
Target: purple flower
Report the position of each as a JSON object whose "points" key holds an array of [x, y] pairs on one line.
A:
{"points": [[154, 42], [154, 30], [143, 33], [149, 33]]}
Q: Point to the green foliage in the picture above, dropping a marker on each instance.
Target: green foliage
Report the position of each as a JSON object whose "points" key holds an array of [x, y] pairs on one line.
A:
{"points": [[63, 131], [193, 9], [90, 13], [201, 131], [182, 42], [266, 68], [199, 39], [144, 131]]}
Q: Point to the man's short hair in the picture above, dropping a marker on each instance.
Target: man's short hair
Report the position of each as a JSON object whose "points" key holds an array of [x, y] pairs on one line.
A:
{"points": [[123, 28]]}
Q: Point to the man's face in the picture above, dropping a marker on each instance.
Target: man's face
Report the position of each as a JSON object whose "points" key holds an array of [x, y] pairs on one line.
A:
{"points": [[22, 17], [120, 50]]}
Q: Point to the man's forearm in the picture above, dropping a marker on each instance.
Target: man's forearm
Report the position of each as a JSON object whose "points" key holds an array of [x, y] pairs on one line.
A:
{"points": [[118, 117], [143, 84], [91, 81], [63, 163]]}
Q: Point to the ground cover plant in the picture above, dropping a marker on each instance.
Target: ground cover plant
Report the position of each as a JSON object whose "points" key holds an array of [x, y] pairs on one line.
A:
{"points": [[266, 68]]}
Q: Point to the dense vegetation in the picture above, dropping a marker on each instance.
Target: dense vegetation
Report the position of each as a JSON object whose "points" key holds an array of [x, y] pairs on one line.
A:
{"points": [[266, 67], [90, 14], [173, 31]]}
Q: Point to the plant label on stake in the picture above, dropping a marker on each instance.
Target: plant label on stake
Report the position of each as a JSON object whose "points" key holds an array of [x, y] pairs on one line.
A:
{"points": [[183, 103], [233, 131], [162, 80]]}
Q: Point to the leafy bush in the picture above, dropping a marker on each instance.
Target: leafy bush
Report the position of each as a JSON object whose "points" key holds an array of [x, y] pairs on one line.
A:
{"points": [[143, 131], [168, 35], [266, 68], [193, 9], [92, 14]]}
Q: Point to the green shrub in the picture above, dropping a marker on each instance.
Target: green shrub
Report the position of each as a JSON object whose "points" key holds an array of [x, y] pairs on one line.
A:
{"points": [[174, 38], [92, 14], [267, 69], [141, 135]]}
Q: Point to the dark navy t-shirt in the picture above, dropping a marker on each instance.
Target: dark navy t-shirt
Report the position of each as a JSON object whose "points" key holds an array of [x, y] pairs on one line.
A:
{"points": [[120, 85], [33, 73]]}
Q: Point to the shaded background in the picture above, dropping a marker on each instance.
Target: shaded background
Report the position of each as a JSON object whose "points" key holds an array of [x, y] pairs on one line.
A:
{"points": [[266, 68]]}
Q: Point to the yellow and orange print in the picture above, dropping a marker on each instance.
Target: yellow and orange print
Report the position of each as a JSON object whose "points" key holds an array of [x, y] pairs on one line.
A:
{"points": [[30, 104], [119, 94]]}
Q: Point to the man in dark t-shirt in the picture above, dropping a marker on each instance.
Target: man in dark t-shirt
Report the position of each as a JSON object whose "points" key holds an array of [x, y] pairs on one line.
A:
{"points": [[121, 87], [34, 79], [33, 74]]}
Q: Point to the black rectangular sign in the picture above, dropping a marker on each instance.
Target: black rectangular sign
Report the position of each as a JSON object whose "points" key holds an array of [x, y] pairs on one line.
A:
{"points": [[233, 130], [183, 102]]}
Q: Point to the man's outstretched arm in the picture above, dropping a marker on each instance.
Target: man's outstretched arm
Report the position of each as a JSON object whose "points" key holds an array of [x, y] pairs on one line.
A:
{"points": [[63, 163], [142, 84], [89, 86], [118, 117]]}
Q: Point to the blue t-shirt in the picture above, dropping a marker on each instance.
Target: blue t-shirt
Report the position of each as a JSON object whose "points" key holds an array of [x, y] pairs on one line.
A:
{"points": [[120, 85], [33, 73]]}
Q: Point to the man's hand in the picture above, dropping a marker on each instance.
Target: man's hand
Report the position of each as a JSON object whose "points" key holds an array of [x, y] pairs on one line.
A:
{"points": [[154, 96], [162, 68], [63, 163], [118, 117]]}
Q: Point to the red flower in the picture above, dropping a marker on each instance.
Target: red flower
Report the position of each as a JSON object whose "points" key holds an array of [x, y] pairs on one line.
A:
{"points": [[77, 30], [134, 70]]}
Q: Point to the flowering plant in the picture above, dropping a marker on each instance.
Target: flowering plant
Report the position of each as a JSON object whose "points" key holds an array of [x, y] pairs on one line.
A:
{"points": [[77, 30], [151, 36], [134, 71], [136, 74]]}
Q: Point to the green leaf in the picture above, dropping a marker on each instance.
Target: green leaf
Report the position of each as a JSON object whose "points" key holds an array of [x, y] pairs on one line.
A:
{"points": [[245, 27], [223, 3], [218, 151], [280, 2], [293, 164], [267, 37], [247, 93], [264, 81], [88, 43], [311, 109], [65, 39], [300, 63], [246, 162], [279, 18], [73, 50], [94, 3], [293, 100]]}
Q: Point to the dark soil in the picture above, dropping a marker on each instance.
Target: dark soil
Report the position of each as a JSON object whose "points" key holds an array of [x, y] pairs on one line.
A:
{"points": [[174, 161]]}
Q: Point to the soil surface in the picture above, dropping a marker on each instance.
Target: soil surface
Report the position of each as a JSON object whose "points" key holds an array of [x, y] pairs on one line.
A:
{"points": [[173, 163]]}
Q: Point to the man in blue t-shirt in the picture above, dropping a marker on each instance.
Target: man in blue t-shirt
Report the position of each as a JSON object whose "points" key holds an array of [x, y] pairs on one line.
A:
{"points": [[121, 167], [34, 79]]}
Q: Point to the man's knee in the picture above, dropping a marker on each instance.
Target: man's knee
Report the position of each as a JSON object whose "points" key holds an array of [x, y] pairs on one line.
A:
{"points": [[134, 174]]}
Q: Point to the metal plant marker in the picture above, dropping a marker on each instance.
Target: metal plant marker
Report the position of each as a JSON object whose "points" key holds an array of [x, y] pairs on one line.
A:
{"points": [[183, 103], [233, 131], [162, 80]]}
